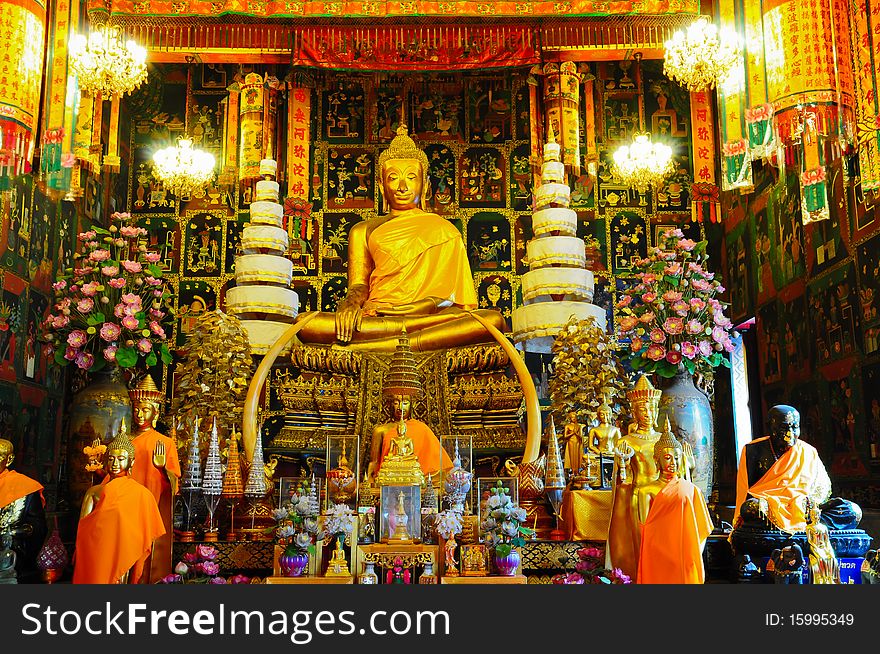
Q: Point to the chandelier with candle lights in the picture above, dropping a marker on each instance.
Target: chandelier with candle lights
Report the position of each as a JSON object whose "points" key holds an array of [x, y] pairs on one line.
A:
{"points": [[104, 63], [702, 56], [182, 169], [643, 163]]}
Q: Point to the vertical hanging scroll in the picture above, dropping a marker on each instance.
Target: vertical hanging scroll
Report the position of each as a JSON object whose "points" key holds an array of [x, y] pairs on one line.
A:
{"points": [[814, 188], [536, 138], [299, 112], [592, 151], [561, 98], [251, 125], [229, 170], [704, 191], [112, 160], [58, 112], [736, 164], [759, 115], [864, 26]]}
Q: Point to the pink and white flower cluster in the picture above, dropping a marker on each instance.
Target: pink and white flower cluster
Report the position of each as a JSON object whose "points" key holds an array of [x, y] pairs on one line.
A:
{"points": [[734, 148], [672, 317], [110, 307], [810, 177]]}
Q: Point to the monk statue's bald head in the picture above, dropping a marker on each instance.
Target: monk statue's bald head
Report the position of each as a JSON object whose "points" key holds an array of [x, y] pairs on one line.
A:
{"points": [[785, 427], [7, 453]]}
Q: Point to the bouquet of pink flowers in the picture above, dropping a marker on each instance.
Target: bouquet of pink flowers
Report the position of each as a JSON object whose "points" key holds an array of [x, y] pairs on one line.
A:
{"points": [[590, 569], [111, 308], [672, 317], [201, 567]]}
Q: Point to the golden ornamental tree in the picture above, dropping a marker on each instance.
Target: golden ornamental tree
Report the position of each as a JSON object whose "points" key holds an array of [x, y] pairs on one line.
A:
{"points": [[585, 369]]}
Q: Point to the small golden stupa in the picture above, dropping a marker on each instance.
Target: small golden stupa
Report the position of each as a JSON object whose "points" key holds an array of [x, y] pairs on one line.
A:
{"points": [[400, 467]]}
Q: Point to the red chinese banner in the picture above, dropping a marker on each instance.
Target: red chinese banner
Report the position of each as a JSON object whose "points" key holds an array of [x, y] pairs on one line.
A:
{"points": [[704, 191], [22, 29], [399, 8], [299, 111]]}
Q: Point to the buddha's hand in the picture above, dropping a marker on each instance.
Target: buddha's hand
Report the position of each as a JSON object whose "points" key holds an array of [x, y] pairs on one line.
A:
{"points": [[348, 320], [159, 455], [624, 453], [425, 306]]}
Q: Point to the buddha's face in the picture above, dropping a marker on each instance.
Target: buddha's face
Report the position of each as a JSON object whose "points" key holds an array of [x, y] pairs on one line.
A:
{"points": [[604, 417], [145, 414], [667, 461], [6, 454], [402, 181], [118, 462], [785, 427], [646, 414], [400, 405]]}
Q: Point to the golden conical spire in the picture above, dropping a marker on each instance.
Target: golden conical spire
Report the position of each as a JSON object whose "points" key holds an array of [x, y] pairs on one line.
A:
{"points": [[147, 390], [403, 375], [644, 390], [554, 478]]}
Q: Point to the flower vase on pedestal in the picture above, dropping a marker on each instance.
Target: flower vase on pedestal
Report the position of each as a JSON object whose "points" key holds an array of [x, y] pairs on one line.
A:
{"points": [[369, 576], [293, 561], [690, 416], [508, 564]]}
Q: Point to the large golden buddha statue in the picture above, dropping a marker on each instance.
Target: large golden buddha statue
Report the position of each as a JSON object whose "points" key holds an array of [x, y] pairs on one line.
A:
{"points": [[407, 268]]}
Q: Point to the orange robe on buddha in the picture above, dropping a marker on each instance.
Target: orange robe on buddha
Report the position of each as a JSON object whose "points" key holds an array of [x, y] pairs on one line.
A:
{"points": [[796, 475], [14, 486], [415, 257], [118, 534], [673, 536], [156, 481], [425, 445]]}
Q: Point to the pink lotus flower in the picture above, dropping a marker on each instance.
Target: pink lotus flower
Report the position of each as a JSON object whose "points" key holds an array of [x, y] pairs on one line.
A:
{"points": [[673, 357], [686, 244], [674, 325], [628, 323], [129, 230], [239, 579], [733, 148], [157, 314], [649, 278], [144, 345], [152, 257], [110, 271], [673, 232], [672, 296], [705, 348], [110, 331], [119, 242], [156, 328], [130, 322], [655, 352], [117, 282], [84, 360], [694, 327], [688, 350], [86, 236], [60, 322], [90, 289], [657, 335], [206, 552], [99, 255], [720, 319], [70, 353], [589, 553], [700, 285], [216, 580], [132, 298], [132, 266], [647, 298], [718, 334], [681, 307], [624, 302], [697, 304], [77, 338], [673, 268], [81, 272], [85, 305], [636, 345], [157, 292], [63, 304], [152, 281], [647, 317], [110, 353], [59, 285]]}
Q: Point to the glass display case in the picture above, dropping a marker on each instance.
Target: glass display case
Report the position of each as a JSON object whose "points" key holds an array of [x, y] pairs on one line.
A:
{"points": [[458, 479], [400, 521], [343, 464]]}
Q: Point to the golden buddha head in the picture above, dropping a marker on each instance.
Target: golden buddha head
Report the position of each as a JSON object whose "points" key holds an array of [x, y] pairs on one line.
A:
{"points": [[644, 400], [146, 399], [403, 173], [120, 453], [7, 454], [668, 452], [604, 412]]}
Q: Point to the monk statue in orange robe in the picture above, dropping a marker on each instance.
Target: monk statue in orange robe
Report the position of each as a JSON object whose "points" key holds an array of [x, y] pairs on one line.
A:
{"points": [[156, 466], [776, 475], [407, 268], [407, 444], [118, 523], [678, 523], [22, 517]]}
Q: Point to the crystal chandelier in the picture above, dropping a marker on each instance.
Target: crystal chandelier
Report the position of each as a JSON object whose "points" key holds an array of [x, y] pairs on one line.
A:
{"points": [[182, 170], [643, 163], [104, 63], [703, 56]]}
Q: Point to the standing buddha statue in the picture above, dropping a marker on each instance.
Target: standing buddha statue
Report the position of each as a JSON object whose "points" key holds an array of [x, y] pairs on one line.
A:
{"points": [[602, 440], [408, 268], [635, 472]]}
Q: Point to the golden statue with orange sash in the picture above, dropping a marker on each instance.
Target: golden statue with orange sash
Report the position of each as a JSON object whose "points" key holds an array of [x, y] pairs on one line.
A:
{"points": [[408, 268], [778, 473], [118, 523], [22, 516], [156, 466], [678, 523]]}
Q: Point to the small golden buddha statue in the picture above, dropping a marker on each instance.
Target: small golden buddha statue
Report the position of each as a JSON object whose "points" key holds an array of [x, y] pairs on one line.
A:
{"points": [[635, 472], [824, 566], [573, 437], [408, 268], [338, 564], [602, 440], [403, 452]]}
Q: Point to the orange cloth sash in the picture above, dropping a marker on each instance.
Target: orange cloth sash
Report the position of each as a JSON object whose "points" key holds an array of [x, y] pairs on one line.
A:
{"points": [[415, 257], [425, 445], [673, 536], [118, 534], [144, 472], [14, 486], [796, 475]]}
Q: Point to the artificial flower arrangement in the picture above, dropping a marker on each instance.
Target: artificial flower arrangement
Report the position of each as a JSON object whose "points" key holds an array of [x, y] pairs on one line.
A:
{"points": [[338, 524], [590, 569], [201, 567], [298, 519], [672, 316], [503, 527], [448, 524], [111, 307]]}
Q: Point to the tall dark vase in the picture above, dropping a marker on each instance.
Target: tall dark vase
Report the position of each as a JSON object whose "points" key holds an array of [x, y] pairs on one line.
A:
{"points": [[95, 412], [690, 415]]}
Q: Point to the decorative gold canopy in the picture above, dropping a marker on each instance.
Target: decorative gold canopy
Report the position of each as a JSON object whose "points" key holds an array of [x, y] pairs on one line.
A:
{"points": [[644, 391], [147, 390]]}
